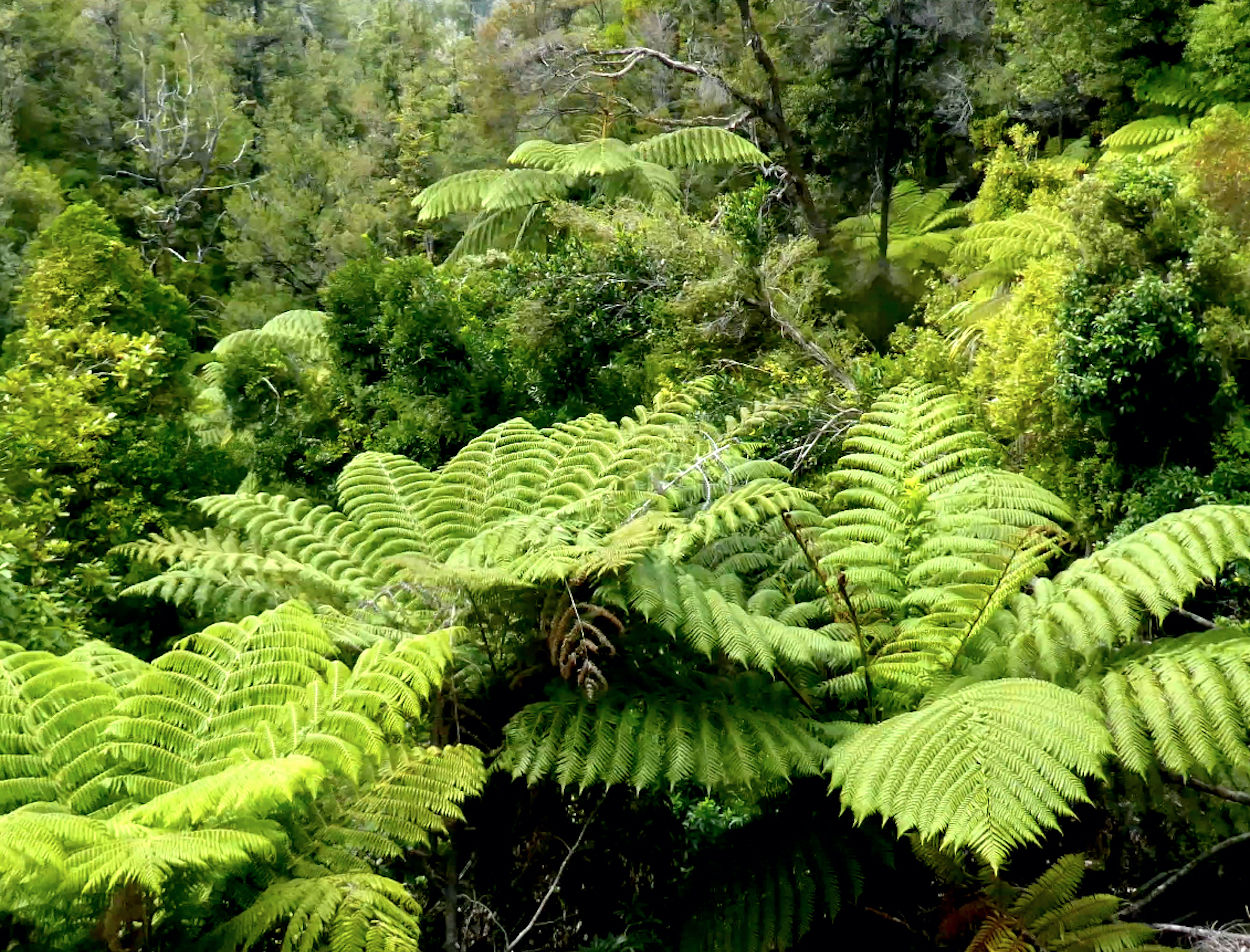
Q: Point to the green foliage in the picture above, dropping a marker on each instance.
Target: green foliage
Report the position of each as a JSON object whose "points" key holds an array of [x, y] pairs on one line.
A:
{"points": [[1100, 603], [516, 510], [1178, 704], [402, 364], [95, 448], [30, 198], [929, 537], [1017, 177], [1153, 138], [1218, 158], [245, 763], [754, 736], [1119, 346], [265, 389]]}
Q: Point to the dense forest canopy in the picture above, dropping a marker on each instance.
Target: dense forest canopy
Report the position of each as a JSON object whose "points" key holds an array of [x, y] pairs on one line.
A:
{"points": [[624, 475]]}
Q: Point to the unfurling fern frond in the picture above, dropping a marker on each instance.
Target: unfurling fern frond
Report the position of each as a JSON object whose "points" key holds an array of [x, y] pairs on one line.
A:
{"points": [[989, 766], [751, 737], [1049, 915], [764, 886]]}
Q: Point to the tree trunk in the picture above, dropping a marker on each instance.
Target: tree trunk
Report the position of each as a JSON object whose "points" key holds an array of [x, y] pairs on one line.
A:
{"points": [[887, 152], [774, 115]]}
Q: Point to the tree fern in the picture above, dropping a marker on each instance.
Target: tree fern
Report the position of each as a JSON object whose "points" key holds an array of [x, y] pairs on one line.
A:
{"points": [[519, 515], [246, 748], [1161, 136], [991, 255], [927, 540], [297, 339], [924, 227], [508, 202], [996, 251]]}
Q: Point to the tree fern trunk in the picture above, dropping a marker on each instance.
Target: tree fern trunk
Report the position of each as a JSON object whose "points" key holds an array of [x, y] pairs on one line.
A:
{"points": [[451, 901]]}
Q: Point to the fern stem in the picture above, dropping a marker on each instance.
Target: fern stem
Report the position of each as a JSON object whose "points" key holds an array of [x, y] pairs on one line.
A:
{"points": [[975, 624], [795, 689], [870, 711]]}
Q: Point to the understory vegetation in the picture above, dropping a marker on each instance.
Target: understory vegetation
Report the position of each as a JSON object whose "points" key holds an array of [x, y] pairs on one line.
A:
{"points": [[624, 475]]}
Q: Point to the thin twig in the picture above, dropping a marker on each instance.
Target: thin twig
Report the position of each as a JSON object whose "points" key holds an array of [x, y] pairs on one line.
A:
{"points": [[1196, 619], [554, 883], [1189, 867]]}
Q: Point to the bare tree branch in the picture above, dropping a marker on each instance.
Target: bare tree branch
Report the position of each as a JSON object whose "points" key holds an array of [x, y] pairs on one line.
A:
{"points": [[1224, 793], [616, 63], [1225, 940]]}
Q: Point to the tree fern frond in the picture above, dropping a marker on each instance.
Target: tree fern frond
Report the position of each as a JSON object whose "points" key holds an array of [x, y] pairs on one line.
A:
{"points": [[699, 145], [1176, 87], [544, 155], [657, 740], [343, 911], [1048, 914], [1099, 603], [1000, 249], [1179, 704], [462, 192], [655, 184], [521, 188], [988, 767], [501, 228], [1152, 137]]}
